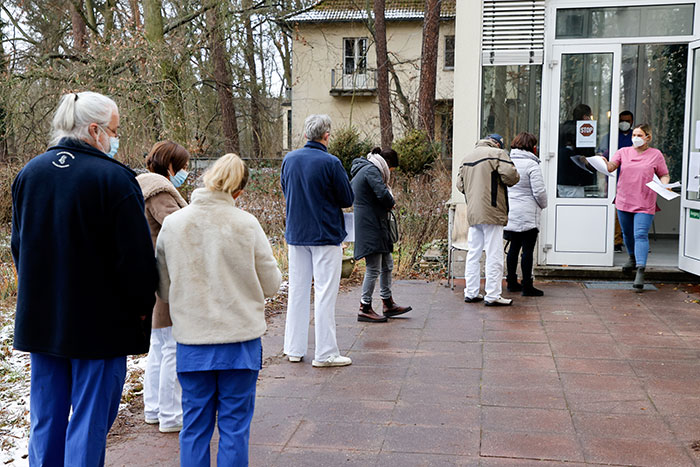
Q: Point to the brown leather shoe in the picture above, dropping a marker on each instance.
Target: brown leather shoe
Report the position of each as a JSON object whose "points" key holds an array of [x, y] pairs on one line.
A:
{"points": [[368, 315], [391, 309]]}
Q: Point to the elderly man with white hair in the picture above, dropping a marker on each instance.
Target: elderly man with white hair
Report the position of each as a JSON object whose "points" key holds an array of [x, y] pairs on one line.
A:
{"points": [[87, 278], [316, 188]]}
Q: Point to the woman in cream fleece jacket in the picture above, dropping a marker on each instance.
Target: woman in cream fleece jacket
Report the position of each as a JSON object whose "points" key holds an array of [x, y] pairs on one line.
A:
{"points": [[216, 268]]}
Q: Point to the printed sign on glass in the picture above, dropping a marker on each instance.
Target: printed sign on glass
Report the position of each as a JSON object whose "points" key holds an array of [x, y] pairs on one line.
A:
{"points": [[586, 131]]}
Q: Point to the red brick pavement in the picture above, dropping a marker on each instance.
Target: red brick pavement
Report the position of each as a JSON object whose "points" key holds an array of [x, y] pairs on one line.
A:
{"points": [[580, 376]]}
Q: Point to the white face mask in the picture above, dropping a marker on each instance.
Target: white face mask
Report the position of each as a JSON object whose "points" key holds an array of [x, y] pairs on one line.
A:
{"points": [[625, 126], [637, 141]]}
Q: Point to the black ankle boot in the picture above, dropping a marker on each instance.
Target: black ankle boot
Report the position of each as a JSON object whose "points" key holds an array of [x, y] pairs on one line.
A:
{"points": [[529, 290], [512, 284], [639, 280], [630, 265]]}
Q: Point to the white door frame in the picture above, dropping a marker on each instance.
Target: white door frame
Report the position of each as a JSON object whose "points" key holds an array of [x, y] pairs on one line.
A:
{"points": [[689, 229], [551, 252]]}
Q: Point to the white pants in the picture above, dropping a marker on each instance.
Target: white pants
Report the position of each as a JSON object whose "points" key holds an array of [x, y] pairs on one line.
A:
{"points": [[162, 395], [482, 237], [323, 263]]}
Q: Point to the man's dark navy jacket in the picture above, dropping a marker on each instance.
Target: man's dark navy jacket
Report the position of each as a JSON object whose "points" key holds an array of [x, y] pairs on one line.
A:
{"points": [[316, 188], [85, 261]]}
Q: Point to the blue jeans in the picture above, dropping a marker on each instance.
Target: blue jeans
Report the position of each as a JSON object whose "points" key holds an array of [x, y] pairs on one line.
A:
{"points": [[635, 233], [231, 394], [93, 388]]}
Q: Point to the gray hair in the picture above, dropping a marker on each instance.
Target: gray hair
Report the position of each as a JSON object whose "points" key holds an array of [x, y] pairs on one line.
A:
{"points": [[315, 126], [75, 113]]}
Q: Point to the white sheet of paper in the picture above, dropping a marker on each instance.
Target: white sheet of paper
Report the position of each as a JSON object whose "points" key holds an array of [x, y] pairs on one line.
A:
{"points": [[599, 163], [694, 172], [349, 226], [580, 162], [666, 185], [661, 190]]}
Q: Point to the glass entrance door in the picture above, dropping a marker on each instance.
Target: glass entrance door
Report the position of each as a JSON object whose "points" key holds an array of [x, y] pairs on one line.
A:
{"points": [[689, 239], [583, 118]]}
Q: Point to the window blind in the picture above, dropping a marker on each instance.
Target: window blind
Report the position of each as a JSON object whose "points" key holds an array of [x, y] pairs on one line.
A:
{"points": [[513, 32]]}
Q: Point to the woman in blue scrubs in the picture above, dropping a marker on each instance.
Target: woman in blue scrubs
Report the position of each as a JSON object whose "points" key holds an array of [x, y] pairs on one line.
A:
{"points": [[216, 268]]}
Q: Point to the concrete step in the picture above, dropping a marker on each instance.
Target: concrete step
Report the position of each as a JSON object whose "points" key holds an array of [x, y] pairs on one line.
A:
{"points": [[663, 274]]}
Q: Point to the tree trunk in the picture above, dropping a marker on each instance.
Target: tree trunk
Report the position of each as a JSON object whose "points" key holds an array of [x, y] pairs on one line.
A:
{"points": [[135, 14], [173, 114], [79, 29], [109, 7], [223, 79], [387, 133], [249, 52], [428, 67], [4, 71]]}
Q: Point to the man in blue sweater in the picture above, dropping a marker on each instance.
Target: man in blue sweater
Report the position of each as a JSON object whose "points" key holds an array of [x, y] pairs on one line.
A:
{"points": [[316, 188], [87, 276]]}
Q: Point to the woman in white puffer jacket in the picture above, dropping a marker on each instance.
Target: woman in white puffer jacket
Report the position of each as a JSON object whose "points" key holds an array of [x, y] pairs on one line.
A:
{"points": [[526, 200]]}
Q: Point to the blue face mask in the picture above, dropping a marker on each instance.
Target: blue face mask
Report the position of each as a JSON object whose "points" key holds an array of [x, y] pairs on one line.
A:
{"points": [[113, 145], [179, 178]]}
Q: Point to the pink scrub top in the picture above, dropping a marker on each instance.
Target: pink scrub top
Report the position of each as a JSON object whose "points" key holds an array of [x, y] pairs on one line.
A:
{"points": [[636, 170]]}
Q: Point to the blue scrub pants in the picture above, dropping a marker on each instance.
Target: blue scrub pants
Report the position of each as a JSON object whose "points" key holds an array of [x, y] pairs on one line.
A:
{"points": [[93, 388], [231, 393], [635, 233]]}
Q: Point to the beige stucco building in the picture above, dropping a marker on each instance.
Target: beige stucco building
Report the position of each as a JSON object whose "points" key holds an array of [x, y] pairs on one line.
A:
{"points": [[334, 66]]}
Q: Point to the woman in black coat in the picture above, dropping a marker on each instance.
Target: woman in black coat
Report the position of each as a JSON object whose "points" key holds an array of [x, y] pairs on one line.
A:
{"points": [[373, 201]]}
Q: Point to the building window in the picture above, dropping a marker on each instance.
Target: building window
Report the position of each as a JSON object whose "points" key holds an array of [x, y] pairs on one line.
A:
{"points": [[627, 21], [510, 100], [354, 55], [449, 52]]}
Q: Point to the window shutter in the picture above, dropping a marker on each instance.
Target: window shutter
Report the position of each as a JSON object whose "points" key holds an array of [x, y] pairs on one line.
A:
{"points": [[513, 32]]}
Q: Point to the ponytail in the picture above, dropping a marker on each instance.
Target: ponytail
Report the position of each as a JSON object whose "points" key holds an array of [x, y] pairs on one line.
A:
{"points": [[75, 113]]}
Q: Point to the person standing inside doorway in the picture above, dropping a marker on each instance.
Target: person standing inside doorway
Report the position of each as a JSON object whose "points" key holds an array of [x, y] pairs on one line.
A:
{"points": [[636, 202], [316, 188], [572, 174], [484, 177]]}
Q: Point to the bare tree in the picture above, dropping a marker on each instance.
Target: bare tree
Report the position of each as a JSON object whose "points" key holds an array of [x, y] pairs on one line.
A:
{"points": [[172, 106], [79, 29], [249, 53], [387, 132], [428, 69], [224, 80]]}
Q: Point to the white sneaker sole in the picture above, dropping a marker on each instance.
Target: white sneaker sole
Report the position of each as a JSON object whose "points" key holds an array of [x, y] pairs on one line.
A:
{"points": [[318, 364], [170, 429], [294, 359]]}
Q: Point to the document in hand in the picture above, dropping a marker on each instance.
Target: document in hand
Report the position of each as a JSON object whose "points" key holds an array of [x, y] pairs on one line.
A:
{"points": [[349, 226], [600, 164], [581, 162], [663, 189]]}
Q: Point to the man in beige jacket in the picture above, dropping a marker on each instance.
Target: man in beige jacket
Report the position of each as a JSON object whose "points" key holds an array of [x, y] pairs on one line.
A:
{"points": [[484, 177]]}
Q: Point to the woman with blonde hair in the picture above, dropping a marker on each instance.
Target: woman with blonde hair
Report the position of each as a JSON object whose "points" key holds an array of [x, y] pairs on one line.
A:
{"points": [[167, 163], [216, 268]]}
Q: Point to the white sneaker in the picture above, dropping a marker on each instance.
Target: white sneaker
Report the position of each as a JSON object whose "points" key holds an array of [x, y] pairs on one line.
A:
{"points": [[294, 359], [151, 421], [499, 302], [336, 360], [170, 429]]}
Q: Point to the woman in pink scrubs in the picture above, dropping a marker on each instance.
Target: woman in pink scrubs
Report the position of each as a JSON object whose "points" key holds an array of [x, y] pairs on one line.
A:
{"points": [[636, 202]]}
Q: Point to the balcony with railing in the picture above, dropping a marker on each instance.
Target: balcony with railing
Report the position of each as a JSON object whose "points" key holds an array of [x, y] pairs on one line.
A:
{"points": [[358, 83]]}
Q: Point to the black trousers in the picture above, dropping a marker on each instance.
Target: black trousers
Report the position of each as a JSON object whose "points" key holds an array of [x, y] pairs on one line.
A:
{"points": [[524, 241]]}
